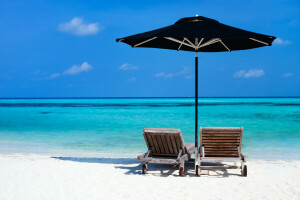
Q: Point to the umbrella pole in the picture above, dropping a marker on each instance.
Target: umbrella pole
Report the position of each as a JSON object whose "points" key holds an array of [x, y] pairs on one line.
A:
{"points": [[196, 100]]}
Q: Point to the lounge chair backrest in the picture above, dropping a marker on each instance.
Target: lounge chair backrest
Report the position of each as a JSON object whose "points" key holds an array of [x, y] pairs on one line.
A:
{"points": [[221, 141], [164, 142]]}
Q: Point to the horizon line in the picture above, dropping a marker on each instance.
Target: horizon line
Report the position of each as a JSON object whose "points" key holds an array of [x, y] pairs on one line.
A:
{"points": [[144, 97]]}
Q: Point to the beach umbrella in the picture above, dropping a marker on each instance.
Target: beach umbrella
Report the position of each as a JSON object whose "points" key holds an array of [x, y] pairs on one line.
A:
{"points": [[199, 34]]}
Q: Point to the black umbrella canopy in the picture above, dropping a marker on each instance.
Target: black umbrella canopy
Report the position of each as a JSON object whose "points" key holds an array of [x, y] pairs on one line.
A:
{"points": [[199, 34]]}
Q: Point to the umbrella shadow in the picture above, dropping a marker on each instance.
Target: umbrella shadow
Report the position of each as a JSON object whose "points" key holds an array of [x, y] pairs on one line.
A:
{"points": [[161, 170]]}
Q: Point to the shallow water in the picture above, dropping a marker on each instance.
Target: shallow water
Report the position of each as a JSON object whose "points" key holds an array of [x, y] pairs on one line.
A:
{"points": [[113, 127]]}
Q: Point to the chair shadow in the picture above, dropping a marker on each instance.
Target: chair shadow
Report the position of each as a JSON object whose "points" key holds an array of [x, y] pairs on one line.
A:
{"points": [[133, 167], [219, 173], [161, 170], [124, 161]]}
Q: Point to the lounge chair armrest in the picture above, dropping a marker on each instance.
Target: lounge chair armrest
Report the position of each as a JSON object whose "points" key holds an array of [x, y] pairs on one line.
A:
{"points": [[191, 152], [139, 157], [198, 152], [144, 155], [243, 157], [179, 155]]}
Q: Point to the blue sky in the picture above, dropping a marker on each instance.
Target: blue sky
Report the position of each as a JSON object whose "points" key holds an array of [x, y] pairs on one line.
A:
{"points": [[68, 49]]}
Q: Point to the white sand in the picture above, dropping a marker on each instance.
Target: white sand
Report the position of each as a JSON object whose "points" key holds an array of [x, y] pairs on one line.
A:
{"points": [[40, 177]]}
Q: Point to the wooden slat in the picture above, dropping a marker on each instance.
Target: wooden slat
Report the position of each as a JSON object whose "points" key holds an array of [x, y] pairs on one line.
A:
{"points": [[230, 133], [220, 152], [175, 150], [169, 144], [220, 134], [164, 141], [146, 139], [223, 155], [155, 144], [178, 143], [158, 139], [221, 129], [220, 138], [223, 141], [220, 145], [221, 148], [150, 142]]}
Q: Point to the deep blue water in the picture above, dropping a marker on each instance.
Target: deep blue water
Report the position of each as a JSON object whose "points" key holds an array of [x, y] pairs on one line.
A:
{"points": [[113, 127]]}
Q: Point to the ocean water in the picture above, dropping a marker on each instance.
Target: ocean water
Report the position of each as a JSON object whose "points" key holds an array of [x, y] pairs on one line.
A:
{"points": [[113, 127]]}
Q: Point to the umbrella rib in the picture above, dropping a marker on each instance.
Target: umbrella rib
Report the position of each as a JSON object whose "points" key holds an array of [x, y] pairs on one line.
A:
{"points": [[180, 42], [212, 41], [144, 42], [256, 40], [224, 45], [190, 42], [200, 42]]}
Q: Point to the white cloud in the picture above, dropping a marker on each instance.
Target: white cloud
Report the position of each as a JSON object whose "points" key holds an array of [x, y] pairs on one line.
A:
{"points": [[160, 74], [37, 71], [189, 76], [248, 74], [132, 79], [77, 27], [185, 72], [52, 76], [75, 69], [280, 41], [70, 85], [127, 66], [288, 74], [164, 75]]}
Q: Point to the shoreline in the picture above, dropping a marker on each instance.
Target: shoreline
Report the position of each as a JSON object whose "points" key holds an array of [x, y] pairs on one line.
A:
{"points": [[123, 156]]}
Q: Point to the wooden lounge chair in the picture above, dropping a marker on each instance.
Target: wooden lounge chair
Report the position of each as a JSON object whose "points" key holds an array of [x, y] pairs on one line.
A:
{"points": [[165, 146], [221, 144]]}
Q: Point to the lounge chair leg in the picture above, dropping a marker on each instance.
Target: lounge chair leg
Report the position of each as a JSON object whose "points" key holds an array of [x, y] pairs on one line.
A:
{"points": [[181, 169], [244, 170], [144, 168], [199, 169], [197, 162], [242, 166]]}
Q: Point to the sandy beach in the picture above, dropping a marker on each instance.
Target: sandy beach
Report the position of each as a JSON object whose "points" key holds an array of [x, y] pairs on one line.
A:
{"points": [[44, 177]]}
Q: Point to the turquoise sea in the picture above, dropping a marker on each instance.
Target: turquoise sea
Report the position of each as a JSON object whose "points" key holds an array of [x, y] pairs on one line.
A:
{"points": [[113, 127]]}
